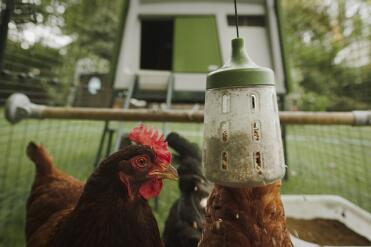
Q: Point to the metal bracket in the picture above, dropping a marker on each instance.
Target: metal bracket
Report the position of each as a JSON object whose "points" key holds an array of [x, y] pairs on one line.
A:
{"points": [[362, 117], [18, 106]]}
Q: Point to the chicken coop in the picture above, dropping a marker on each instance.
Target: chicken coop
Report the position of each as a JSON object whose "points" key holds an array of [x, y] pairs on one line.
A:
{"points": [[156, 55], [184, 30]]}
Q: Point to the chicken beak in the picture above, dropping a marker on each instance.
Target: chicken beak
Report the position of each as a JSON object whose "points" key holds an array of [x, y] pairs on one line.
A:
{"points": [[169, 172]]}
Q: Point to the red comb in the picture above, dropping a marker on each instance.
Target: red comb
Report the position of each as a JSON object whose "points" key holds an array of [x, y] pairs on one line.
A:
{"points": [[149, 137]]}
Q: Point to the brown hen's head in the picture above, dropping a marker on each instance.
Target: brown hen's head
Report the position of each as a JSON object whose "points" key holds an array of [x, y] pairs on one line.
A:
{"points": [[141, 167]]}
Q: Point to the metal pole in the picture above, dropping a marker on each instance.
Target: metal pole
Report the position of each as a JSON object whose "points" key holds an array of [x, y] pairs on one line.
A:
{"points": [[121, 115], [109, 144], [126, 105], [19, 107], [185, 116], [112, 74], [323, 118], [169, 99]]}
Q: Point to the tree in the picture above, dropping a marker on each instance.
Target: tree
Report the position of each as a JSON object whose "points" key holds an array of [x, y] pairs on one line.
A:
{"points": [[91, 26], [317, 33]]}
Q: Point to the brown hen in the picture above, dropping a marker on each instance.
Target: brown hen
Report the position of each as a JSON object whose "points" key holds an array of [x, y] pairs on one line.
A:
{"points": [[111, 209], [244, 217]]}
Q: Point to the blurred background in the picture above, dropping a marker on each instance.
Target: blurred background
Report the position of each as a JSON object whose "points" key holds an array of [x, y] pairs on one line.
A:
{"points": [[67, 53]]}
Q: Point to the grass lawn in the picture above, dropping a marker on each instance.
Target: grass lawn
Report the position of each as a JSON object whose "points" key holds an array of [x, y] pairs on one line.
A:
{"points": [[322, 160], [330, 160]]}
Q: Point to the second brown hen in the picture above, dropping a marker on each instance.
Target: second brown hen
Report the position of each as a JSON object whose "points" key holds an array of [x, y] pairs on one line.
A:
{"points": [[245, 217]]}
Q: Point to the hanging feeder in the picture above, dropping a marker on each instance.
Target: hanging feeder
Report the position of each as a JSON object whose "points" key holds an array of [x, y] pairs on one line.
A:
{"points": [[242, 136]]}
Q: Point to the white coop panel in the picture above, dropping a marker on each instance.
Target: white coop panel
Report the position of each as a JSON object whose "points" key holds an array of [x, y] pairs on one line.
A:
{"points": [[153, 80]]}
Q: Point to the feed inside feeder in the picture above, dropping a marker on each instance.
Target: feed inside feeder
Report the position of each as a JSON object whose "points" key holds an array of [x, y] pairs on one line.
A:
{"points": [[242, 136]]}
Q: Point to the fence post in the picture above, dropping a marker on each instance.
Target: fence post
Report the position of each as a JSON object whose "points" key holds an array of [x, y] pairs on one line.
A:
{"points": [[6, 13], [286, 67], [112, 74]]}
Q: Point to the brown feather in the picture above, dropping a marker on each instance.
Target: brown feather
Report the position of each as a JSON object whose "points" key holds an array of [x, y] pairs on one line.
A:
{"points": [[52, 190], [62, 211], [245, 217]]}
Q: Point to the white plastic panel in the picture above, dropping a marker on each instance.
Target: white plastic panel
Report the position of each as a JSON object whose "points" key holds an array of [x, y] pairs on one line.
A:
{"points": [[153, 79], [125, 79], [190, 82], [328, 207]]}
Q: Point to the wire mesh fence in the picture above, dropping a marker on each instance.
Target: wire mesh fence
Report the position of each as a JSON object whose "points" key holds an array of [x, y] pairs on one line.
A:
{"points": [[329, 160], [328, 43], [329, 50], [72, 144], [45, 48], [321, 160]]}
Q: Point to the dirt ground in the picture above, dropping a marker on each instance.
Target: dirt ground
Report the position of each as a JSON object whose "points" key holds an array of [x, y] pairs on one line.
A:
{"points": [[325, 232]]}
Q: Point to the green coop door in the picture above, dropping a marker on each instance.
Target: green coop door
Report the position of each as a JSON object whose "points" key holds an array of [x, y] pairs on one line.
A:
{"points": [[196, 45]]}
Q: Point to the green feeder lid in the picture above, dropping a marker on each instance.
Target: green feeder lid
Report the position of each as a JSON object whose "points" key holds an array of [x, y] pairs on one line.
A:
{"points": [[240, 71]]}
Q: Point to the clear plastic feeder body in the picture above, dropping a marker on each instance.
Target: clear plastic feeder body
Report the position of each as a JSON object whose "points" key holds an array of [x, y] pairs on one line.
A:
{"points": [[242, 136]]}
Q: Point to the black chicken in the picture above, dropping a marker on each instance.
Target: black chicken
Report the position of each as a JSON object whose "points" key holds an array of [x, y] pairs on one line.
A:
{"points": [[183, 227]]}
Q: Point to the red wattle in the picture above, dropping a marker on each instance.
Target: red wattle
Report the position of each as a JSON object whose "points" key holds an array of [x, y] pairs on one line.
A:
{"points": [[151, 188]]}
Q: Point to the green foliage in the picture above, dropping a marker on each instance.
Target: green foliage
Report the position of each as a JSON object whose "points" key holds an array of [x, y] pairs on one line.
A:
{"points": [[34, 70], [38, 57], [95, 23], [317, 32], [92, 25]]}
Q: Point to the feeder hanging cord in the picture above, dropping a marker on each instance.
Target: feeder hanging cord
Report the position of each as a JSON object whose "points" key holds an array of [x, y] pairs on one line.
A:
{"points": [[236, 16]]}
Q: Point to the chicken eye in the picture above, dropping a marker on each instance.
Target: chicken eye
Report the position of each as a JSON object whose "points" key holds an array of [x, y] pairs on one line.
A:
{"points": [[141, 162]]}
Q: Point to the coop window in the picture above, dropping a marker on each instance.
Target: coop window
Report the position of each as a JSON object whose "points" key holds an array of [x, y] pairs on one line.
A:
{"points": [[156, 51], [247, 20]]}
